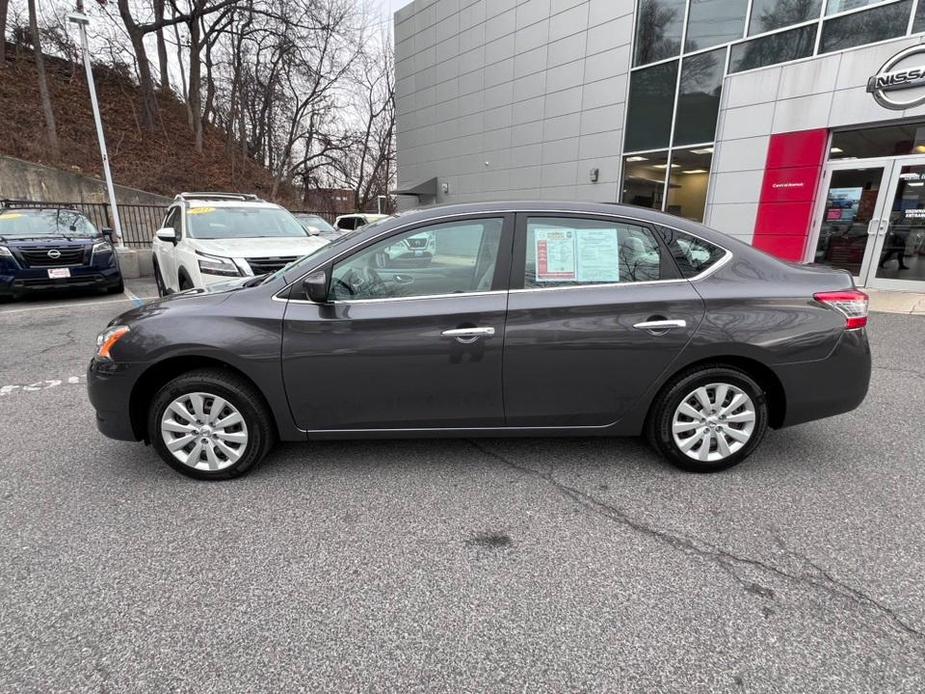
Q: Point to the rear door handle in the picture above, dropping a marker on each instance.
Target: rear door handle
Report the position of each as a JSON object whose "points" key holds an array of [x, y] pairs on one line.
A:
{"points": [[468, 335], [661, 324]]}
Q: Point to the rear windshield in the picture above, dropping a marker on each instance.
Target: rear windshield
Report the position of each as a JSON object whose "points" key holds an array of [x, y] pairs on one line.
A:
{"points": [[242, 223], [33, 224]]}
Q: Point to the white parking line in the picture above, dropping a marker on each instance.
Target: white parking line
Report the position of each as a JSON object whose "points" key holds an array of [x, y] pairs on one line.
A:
{"points": [[66, 305], [41, 385]]}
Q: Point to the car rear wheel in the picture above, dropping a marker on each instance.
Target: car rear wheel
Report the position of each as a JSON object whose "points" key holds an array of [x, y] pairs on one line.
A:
{"points": [[210, 425], [708, 419]]}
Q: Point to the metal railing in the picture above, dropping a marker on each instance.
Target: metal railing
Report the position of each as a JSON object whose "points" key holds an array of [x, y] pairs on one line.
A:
{"points": [[139, 222]]}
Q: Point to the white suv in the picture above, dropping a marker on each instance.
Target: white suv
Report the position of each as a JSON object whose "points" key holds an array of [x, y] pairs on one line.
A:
{"points": [[211, 237]]}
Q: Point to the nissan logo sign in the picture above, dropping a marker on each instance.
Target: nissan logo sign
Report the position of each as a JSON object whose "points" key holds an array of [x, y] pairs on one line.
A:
{"points": [[901, 72], [54, 254]]}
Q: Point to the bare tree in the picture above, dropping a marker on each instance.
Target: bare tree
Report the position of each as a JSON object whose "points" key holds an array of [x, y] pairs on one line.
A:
{"points": [[4, 9], [49, 113]]}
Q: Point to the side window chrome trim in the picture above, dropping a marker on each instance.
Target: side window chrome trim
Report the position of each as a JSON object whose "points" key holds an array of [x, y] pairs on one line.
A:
{"points": [[340, 302], [486, 213]]}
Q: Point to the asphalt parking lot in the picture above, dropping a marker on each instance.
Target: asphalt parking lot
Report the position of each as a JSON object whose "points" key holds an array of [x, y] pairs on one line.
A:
{"points": [[490, 565]]}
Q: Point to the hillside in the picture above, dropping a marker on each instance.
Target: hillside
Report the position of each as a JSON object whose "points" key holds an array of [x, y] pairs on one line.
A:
{"points": [[163, 161]]}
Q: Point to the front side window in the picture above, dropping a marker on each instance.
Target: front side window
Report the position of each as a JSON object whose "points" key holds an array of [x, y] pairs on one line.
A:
{"points": [[242, 223], [567, 252], [452, 258], [692, 255]]}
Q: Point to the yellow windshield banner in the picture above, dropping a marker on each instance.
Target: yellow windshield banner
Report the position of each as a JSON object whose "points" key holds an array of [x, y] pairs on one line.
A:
{"points": [[201, 210], [14, 215]]}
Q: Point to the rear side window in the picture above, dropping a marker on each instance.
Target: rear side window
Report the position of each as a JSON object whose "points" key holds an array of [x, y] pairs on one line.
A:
{"points": [[567, 252], [348, 223], [692, 255]]}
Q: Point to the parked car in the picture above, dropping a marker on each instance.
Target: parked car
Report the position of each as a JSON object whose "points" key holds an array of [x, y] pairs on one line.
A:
{"points": [[47, 248], [208, 238], [317, 225], [534, 319], [352, 222]]}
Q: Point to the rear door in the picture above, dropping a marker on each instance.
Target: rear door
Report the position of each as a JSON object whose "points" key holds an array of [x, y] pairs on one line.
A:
{"points": [[400, 345], [597, 311]]}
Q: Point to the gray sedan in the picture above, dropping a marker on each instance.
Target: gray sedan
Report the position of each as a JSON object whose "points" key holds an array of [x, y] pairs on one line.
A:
{"points": [[530, 319]]}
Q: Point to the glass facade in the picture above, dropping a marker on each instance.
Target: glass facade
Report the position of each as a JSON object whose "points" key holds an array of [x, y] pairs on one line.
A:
{"points": [[684, 49]]}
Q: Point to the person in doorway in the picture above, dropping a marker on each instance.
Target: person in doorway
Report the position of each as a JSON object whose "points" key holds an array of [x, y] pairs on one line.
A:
{"points": [[895, 245]]}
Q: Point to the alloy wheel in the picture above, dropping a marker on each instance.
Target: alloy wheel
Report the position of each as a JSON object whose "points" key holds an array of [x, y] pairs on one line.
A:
{"points": [[204, 431], [713, 422]]}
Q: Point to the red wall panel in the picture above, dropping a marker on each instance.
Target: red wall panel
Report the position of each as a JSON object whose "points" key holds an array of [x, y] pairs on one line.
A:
{"points": [[792, 173]]}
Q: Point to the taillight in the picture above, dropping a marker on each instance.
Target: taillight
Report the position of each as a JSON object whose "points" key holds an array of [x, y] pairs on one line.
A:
{"points": [[851, 304]]}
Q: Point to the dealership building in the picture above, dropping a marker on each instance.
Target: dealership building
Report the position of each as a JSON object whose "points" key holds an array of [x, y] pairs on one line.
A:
{"points": [[794, 125]]}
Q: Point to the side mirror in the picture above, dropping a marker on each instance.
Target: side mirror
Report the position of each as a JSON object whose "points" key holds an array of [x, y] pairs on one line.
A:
{"points": [[313, 231], [316, 287], [108, 235], [167, 234]]}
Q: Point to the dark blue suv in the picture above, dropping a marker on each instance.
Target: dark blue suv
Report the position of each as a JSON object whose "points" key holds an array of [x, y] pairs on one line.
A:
{"points": [[54, 248]]}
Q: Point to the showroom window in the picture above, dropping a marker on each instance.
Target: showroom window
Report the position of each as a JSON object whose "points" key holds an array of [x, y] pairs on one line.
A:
{"points": [[776, 48], [714, 22], [698, 97], [659, 28], [452, 258], [673, 105], [688, 176], [644, 179], [651, 100], [858, 28], [571, 252], [768, 15]]}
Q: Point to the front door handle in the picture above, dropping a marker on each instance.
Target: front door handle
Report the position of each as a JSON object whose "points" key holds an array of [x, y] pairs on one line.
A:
{"points": [[660, 325], [468, 335]]}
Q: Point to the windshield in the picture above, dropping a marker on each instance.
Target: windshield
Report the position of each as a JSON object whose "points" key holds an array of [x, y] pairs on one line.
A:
{"points": [[311, 220], [242, 223], [33, 224]]}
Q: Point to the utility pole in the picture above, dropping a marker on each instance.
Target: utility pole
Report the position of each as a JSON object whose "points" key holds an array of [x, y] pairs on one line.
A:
{"points": [[82, 20]]}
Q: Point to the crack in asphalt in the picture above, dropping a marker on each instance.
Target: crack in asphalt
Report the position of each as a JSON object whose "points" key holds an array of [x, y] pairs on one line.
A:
{"points": [[726, 560]]}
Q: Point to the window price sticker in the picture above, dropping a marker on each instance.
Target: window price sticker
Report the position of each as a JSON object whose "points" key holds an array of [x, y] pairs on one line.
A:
{"points": [[582, 255]]}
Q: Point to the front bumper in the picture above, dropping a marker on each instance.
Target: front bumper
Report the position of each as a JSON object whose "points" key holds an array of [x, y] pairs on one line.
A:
{"points": [[22, 281], [109, 387], [830, 386]]}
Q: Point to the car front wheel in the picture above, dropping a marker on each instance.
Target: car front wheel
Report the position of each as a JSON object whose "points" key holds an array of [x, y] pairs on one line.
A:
{"points": [[709, 419], [210, 425]]}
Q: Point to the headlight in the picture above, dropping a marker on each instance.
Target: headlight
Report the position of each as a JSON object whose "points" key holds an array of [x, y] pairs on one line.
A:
{"points": [[4, 251], [214, 265], [100, 247], [107, 339]]}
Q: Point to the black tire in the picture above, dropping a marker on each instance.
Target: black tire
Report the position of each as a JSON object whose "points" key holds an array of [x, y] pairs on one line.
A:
{"points": [[159, 280], [659, 423], [118, 288], [240, 394]]}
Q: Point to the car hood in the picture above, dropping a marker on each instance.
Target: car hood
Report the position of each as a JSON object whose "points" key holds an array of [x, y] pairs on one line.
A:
{"points": [[265, 247]]}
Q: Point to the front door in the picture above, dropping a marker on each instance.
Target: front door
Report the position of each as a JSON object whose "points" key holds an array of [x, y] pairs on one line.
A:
{"points": [[898, 258], [411, 336], [597, 312], [851, 213], [871, 222]]}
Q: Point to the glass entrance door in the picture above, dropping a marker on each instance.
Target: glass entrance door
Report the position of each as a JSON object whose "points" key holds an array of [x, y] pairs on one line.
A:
{"points": [[898, 258], [850, 215]]}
